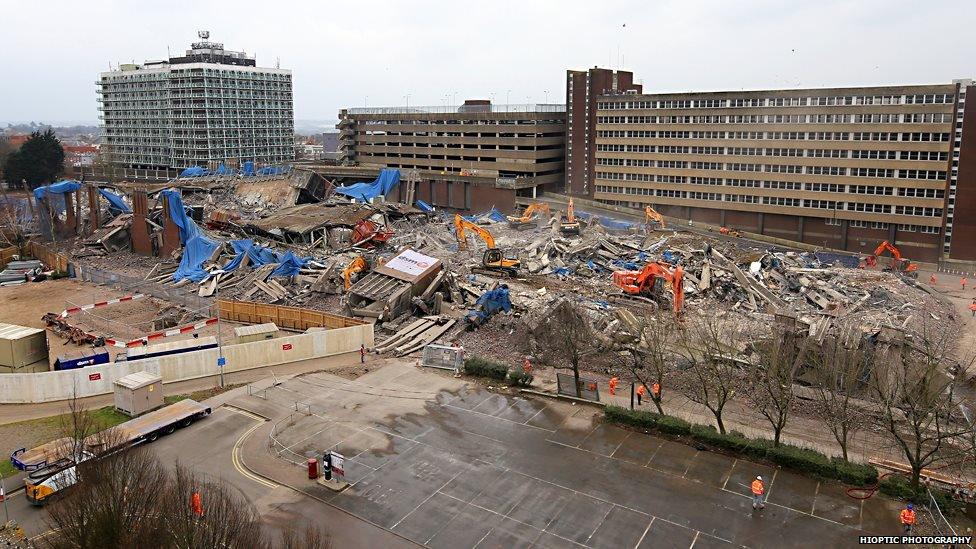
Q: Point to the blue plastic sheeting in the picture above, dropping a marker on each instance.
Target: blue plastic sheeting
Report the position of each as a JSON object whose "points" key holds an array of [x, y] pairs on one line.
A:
{"points": [[197, 250], [248, 168], [223, 170], [670, 257], [389, 178], [118, 205], [490, 303], [493, 214], [561, 272], [257, 255], [273, 170], [60, 187], [608, 222], [289, 265], [828, 258], [626, 265], [188, 229], [424, 207], [194, 171]]}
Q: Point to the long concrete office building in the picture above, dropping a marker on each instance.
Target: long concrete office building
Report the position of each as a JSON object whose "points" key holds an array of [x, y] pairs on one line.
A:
{"points": [[468, 157], [842, 167], [208, 106]]}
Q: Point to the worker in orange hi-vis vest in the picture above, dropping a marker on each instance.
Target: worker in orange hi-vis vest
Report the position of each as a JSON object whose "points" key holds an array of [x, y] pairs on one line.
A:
{"points": [[972, 306], [758, 489], [656, 391], [964, 281], [526, 365], [908, 518], [932, 280], [613, 385], [640, 393], [196, 504]]}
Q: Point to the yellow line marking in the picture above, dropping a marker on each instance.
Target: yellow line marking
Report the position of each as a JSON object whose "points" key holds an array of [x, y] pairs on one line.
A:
{"points": [[236, 453]]}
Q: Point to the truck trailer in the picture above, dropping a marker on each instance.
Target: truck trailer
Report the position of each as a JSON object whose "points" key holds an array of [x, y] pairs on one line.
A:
{"points": [[51, 471]]}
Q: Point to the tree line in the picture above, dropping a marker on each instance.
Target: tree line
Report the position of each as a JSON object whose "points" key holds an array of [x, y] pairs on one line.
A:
{"points": [[39, 161]]}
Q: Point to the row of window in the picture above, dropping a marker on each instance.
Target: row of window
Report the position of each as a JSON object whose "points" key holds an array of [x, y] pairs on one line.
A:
{"points": [[877, 118], [809, 136], [933, 175], [878, 190], [914, 99], [940, 156], [776, 201]]}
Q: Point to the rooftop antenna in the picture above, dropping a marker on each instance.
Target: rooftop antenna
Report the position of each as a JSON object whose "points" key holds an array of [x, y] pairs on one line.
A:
{"points": [[204, 35], [277, 62]]}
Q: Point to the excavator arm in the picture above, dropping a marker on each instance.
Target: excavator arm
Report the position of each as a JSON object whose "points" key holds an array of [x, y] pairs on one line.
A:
{"points": [[895, 253], [650, 214], [461, 224], [355, 266], [530, 212], [642, 282]]}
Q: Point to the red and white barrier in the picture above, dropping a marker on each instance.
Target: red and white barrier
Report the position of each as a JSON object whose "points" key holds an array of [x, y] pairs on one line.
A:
{"points": [[161, 335], [73, 310]]}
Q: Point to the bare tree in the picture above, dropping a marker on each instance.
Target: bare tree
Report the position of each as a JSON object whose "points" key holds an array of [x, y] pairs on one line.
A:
{"points": [[652, 356], [564, 338], [779, 360], [840, 368], [916, 396], [712, 373]]}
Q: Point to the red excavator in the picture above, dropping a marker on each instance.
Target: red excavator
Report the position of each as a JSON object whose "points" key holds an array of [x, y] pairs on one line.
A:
{"points": [[645, 283], [899, 264]]}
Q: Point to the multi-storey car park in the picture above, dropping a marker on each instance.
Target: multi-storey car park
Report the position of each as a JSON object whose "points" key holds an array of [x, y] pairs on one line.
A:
{"points": [[472, 156], [208, 106], [841, 167]]}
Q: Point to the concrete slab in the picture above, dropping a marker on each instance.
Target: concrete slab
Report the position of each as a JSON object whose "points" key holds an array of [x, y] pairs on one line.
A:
{"points": [[504, 493], [468, 401], [429, 518], [551, 417], [673, 458], [472, 483], [378, 455], [493, 405], [744, 472], [710, 468], [543, 503], [638, 449], [522, 410], [834, 504], [510, 533], [573, 431], [794, 491], [467, 529], [621, 528], [605, 439], [665, 535], [580, 517]]}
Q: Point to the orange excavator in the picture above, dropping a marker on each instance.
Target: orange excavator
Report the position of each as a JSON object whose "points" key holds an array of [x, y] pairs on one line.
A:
{"points": [[355, 266], [649, 282], [527, 219], [494, 262], [650, 214], [569, 224], [898, 263]]}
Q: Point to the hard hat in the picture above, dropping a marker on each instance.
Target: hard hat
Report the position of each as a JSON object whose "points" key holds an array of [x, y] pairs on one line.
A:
{"points": [[758, 478], [910, 506]]}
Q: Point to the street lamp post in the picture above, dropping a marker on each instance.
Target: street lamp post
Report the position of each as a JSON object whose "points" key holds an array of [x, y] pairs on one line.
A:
{"points": [[221, 361]]}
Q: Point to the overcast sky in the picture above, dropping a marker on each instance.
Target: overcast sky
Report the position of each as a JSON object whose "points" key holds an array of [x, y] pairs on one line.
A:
{"points": [[351, 53]]}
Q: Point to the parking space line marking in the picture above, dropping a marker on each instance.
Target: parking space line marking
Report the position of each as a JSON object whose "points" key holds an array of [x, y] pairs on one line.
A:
{"points": [[771, 481], [792, 509], [513, 520], [816, 493], [621, 443], [456, 515], [514, 402], [482, 402], [731, 469], [533, 416], [690, 463], [589, 537], [498, 418], [432, 494], [694, 541], [593, 430], [654, 454], [644, 535]]}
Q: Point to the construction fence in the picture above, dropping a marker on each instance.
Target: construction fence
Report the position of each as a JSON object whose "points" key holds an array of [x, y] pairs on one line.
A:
{"points": [[50, 258], [7, 255], [289, 318], [136, 285]]}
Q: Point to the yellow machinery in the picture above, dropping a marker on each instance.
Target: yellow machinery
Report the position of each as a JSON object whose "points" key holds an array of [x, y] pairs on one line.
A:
{"points": [[355, 266], [494, 261], [650, 214], [527, 219], [569, 224]]}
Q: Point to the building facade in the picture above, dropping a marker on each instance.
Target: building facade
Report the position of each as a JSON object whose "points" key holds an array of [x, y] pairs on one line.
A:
{"points": [[583, 88], [208, 106], [844, 168], [473, 156]]}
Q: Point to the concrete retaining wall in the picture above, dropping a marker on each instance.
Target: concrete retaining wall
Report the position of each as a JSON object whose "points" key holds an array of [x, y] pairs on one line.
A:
{"points": [[99, 380]]}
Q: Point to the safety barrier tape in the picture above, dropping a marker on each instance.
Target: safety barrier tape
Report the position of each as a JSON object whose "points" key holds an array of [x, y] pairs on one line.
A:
{"points": [[72, 310], [159, 335]]}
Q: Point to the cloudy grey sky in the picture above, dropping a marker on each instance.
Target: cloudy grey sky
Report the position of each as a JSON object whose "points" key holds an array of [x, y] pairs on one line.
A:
{"points": [[351, 53]]}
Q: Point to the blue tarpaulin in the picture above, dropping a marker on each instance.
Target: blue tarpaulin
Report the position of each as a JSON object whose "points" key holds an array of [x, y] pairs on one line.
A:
{"points": [[289, 265], [424, 207], [273, 170], [60, 187], [490, 303], [194, 171], [608, 222], [829, 258], [223, 170], [195, 252], [389, 178], [118, 205], [188, 229], [248, 168], [493, 214]]}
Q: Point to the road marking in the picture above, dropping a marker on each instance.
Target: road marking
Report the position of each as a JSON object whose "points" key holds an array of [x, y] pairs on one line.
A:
{"points": [[610, 510], [235, 455], [621, 443], [694, 541], [419, 505], [533, 416], [644, 535], [771, 481], [816, 493], [731, 469], [690, 463]]}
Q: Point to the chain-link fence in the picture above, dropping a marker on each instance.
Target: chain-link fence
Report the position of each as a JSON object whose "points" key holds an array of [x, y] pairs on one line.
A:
{"points": [[130, 284], [941, 524]]}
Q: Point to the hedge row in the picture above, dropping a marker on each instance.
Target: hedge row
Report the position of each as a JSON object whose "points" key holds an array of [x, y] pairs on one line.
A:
{"points": [[785, 455], [481, 367], [899, 486]]}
